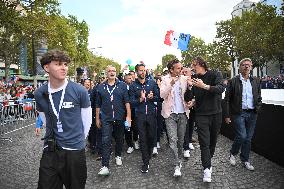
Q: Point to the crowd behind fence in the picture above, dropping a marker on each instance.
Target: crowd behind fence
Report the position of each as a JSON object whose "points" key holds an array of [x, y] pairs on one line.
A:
{"points": [[15, 115]]}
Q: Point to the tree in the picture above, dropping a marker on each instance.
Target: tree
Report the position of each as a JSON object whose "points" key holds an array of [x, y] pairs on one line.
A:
{"points": [[10, 33], [166, 59], [258, 34], [197, 47]]}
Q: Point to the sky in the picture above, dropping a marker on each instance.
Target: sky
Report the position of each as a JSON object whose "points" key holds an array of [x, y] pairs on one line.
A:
{"points": [[135, 29]]}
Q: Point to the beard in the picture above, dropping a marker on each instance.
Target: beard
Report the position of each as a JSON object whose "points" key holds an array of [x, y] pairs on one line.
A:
{"points": [[141, 76]]}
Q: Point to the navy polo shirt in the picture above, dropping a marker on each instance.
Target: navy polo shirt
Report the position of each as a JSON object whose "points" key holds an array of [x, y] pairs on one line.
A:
{"points": [[135, 93], [115, 109]]}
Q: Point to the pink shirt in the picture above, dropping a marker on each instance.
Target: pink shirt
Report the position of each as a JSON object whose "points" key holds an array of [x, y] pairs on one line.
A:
{"points": [[167, 93]]}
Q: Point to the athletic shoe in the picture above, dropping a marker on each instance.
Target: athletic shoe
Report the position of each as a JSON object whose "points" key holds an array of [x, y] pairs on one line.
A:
{"points": [[232, 160], [186, 153], [118, 160], [190, 145], [145, 168], [248, 166], [130, 150], [136, 145], [104, 171], [177, 172], [207, 175], [155, 151]]}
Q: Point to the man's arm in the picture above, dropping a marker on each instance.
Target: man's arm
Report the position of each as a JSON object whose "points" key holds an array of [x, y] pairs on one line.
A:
{"points": [[219, 86], [165, 89], [227, 99], [86, 115], [128, 113]]}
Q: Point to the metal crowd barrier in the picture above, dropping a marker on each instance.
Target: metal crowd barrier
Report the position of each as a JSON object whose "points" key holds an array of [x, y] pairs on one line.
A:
{"points": [[15, 115]]}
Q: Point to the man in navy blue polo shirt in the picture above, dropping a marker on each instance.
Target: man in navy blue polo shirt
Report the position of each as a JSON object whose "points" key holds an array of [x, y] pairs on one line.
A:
{"points": [[65, 109], [112, 104], [143, 93]]}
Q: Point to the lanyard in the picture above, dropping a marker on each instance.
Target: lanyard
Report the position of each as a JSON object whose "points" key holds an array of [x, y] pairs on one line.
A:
{"points": [[111, 98], [60, 103]]}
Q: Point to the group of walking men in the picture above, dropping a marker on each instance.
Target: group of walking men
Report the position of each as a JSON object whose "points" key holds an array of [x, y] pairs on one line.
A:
{"points": [[65, 109]]}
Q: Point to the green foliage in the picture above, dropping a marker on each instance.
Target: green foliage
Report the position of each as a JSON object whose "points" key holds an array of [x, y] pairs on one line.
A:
{"points": [[197, 47], [258, 34]]}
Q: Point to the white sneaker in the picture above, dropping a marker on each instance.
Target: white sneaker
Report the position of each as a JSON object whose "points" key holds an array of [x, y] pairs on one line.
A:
{"points": [[104, 171], [130, 150], [186, 153], [155, 151], [232, 160], [248, 166], [190, 145], [207, 175], [177, 171], [158, 145], [136, 145], [118, 160]]}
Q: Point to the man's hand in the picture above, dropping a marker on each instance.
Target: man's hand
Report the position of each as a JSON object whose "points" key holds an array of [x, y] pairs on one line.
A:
{"points": [[98, 123], [190, 104], [173, 81], [37, 131], [189, 81], [228, 120], [150, 95], [143, 95], [198, 83]]}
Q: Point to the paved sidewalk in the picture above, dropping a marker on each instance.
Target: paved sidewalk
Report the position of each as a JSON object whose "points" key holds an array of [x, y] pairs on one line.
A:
{"points": [[19, 162]]}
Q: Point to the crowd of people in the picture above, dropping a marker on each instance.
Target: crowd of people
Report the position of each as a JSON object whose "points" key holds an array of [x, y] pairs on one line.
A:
{"points": [[138, 108], [269, 82]]}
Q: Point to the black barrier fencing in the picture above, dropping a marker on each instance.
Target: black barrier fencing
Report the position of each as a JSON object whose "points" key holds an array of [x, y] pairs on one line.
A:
{"points": [[15, 115]]}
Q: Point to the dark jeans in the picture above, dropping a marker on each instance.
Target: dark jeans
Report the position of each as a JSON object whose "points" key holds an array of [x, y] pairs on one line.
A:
{"points": [[208, 127], [131, 135], [109, 127], [244, 126], [189, 131], [66, 167], [147, 129]]}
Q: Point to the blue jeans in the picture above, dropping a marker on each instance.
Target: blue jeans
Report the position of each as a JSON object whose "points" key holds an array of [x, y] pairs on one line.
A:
{"points": [[109, 127], [244, 126]]}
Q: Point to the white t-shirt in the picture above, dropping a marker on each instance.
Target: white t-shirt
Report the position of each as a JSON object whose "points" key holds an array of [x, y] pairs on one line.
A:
{"points": [[178, 102]]}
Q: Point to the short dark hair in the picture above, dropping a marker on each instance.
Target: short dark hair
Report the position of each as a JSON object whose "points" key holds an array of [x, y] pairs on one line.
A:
{"points": [[54, 55], [171, 64], [138, 65], [201, 62]]}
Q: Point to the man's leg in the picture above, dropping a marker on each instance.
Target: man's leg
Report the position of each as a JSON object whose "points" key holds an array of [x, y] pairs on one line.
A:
{"points": [[48, 172], [214, 131], [240, 133], [141, 126], [151, 133], [118, 136], [250, 127], [106, 142], [203, 123], [171, 125], [75, 172], [181, 128]]}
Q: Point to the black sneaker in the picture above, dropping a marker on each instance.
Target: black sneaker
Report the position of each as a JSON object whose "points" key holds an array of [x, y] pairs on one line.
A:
{"points": [[145, 168]]}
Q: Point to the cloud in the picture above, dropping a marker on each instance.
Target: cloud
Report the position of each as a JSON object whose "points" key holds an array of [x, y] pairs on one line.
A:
{"points": [[139, 34]]}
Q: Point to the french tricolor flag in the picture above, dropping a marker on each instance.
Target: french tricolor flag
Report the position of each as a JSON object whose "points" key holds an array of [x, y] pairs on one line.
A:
{"points": [[177, 40]]}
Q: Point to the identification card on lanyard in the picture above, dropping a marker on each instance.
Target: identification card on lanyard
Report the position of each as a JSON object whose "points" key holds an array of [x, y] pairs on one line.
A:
{"points": [[58, 123], [111, 98]]}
